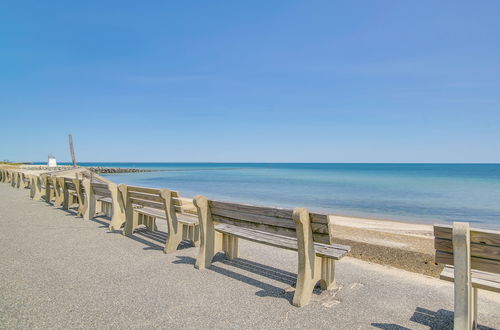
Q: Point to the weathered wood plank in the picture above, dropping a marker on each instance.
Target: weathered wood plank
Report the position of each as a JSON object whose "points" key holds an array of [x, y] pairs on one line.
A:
{"points": [[329, 251], [487, 265], [146, 190], [264, 211], [147, 203], [101, 192], [151, 197], [266, 220], [98, 185], [477, 250], [146, 196], [317, 237], [484, 236], [259, 210], [162, 215], [480, 279], [104, 199]]}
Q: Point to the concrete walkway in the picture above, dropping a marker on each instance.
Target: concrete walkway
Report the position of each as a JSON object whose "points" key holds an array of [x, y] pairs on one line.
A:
{"points": [[60, 271]]}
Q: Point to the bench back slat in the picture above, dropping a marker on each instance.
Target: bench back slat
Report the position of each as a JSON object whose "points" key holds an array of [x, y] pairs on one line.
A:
{"points": [[484, 248], [487, 265], [257, 210], [484, 236], [99, 185], [476, 250], [101, 192], [70, 185]]}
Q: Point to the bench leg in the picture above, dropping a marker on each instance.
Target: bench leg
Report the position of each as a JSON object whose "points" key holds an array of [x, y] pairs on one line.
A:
{"points": [[48, 192], [230, 246], [192, 234], [474, 308], [174, 237], [106, 209], [36, 187], [463, 316], [196, 236], [89, 207], [118, 208], [67, 199], [311, 268], [327, 280], [98, 207], [117, 220], [131, 224], [306, 281], [59, 201], [149, 222]]}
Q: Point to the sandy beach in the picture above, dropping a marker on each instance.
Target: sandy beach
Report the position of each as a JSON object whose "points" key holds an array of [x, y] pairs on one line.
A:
{"points": [[404, 245]]}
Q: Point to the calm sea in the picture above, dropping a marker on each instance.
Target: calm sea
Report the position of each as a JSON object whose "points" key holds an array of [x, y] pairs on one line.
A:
{"points": [[425, 193]]}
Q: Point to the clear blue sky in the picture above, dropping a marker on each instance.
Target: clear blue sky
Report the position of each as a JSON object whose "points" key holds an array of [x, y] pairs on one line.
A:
{"points": [[304, 81]]}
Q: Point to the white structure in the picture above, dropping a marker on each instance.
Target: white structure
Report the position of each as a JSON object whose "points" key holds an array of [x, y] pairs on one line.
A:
{"points": [[52, 161]]}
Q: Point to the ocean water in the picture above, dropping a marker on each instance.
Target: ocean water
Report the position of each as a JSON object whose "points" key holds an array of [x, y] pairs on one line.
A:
{"points": [[426, 193]]}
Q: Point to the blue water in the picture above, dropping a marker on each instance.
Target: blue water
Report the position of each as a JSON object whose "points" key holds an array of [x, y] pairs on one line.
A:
{"points": [[426, 193]]}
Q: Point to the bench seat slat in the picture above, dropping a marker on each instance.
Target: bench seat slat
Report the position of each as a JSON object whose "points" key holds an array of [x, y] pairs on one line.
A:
{"points": [[479, 279], [330, 251], [105, 199]]}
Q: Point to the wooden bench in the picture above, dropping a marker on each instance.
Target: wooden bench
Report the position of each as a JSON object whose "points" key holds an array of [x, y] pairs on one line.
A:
{"points": [[310, 234], [145, 205], [472, 257], [66, 191], [3, 175], [48, 188], [25, 181], [36, 185], [15, 181], [103, 197]]}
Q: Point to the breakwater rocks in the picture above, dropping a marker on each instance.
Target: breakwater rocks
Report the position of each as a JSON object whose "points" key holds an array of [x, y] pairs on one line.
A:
{"points": [[112, 170], [95, 169]]}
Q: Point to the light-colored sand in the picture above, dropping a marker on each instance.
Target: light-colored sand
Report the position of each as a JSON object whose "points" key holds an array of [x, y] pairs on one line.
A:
{"points": [[60, 271], [394, 227]]}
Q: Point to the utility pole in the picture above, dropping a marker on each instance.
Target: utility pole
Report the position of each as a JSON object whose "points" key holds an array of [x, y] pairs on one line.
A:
{"points": [[72, 150]]}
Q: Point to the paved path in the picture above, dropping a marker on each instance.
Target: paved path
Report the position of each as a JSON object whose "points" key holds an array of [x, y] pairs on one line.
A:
{"points": [[60, 271]]}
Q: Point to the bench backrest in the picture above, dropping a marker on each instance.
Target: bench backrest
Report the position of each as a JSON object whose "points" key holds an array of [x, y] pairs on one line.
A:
{"points": [[6, 175], [156, 199], [484, 247], [101, 189], [273, 220]]}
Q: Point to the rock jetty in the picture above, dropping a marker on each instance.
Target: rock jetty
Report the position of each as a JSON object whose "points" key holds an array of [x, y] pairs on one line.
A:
{"points": [[95, 169]]}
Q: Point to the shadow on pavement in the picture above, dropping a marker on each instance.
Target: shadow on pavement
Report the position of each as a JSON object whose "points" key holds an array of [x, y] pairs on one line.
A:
{"points": [[266, 290], [442, 319]]}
